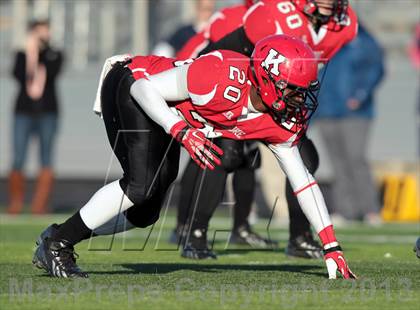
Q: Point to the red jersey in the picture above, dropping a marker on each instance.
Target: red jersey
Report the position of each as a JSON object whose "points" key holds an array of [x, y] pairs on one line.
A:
{"points": [[225, 21], [221, 23], [282, 17], [143, 66], [219, 98]]}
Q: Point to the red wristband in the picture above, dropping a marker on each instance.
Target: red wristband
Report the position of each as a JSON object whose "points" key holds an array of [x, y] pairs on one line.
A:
{"points": [[177, 130], [327, 236]]}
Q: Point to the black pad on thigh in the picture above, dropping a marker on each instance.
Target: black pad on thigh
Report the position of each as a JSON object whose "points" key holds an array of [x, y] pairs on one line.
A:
{"points": [[233, 153], [252, 156], [147, 154], [152, 155]]}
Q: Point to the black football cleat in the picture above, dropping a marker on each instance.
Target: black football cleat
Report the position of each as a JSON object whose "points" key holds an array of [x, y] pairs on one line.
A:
{"points": [[47, 233], [246, 236], [178, 235], [416, 248], [58, 259], [304, 246], [196, 246]]}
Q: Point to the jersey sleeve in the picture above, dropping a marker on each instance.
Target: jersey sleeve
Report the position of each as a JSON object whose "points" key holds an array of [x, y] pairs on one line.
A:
{"points": [[220, 25], [198, 42], [258, 22], [347, 33], [213, 29], [193, 46], [226, 21], [203, 77], [304, 185], [352, 27], [153, 93]]}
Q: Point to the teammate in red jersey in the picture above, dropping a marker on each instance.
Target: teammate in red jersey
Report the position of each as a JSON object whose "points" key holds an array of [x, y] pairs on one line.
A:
{"points": [[276, 87], [220, 24], [325, 25], [241, 158], [331, 23]]}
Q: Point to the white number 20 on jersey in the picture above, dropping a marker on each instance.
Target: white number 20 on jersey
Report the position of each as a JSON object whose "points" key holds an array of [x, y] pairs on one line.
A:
{"points": [[233, 93]]}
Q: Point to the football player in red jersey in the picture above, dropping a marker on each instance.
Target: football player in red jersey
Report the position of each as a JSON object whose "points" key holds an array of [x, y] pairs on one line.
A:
{"points": [[269, 98], [220, 24], [201, 198], [325, 25]]}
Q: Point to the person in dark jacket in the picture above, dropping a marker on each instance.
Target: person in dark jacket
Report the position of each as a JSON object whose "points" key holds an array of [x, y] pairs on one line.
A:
{"points": [[35, 114], [344, 116]]}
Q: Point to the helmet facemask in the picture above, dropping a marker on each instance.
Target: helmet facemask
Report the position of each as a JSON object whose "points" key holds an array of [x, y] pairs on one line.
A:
{"points": [[284, 72], [294, 104], [339, 11]]}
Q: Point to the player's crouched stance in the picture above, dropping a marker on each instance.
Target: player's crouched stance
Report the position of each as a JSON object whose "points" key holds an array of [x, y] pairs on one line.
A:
{"points": [[269, 98]]}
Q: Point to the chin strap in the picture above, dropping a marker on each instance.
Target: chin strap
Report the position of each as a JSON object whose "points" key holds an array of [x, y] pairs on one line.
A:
{"points": [[254, 76]]}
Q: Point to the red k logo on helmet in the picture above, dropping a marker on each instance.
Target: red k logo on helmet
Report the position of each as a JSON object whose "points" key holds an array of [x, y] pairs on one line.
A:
{"points": [[272, 61]]}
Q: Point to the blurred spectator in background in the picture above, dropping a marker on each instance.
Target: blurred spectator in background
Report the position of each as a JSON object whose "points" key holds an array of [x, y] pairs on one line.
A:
{"points": [[414, 48], [203, 11], [414, 53], [35, 114], [344, 116]]}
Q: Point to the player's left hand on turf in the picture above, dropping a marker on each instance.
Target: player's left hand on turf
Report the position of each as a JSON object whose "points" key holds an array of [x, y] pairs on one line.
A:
{"points": [[335, 261], [203, 151]]}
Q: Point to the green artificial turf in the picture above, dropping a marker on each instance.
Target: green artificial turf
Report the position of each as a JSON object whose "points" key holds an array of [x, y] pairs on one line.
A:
{"points": [[142, 271]]}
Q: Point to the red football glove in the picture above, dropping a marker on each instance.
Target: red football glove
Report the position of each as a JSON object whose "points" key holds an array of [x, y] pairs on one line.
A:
{"points": [[202, 150], [335, 261], [333, 255]]}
